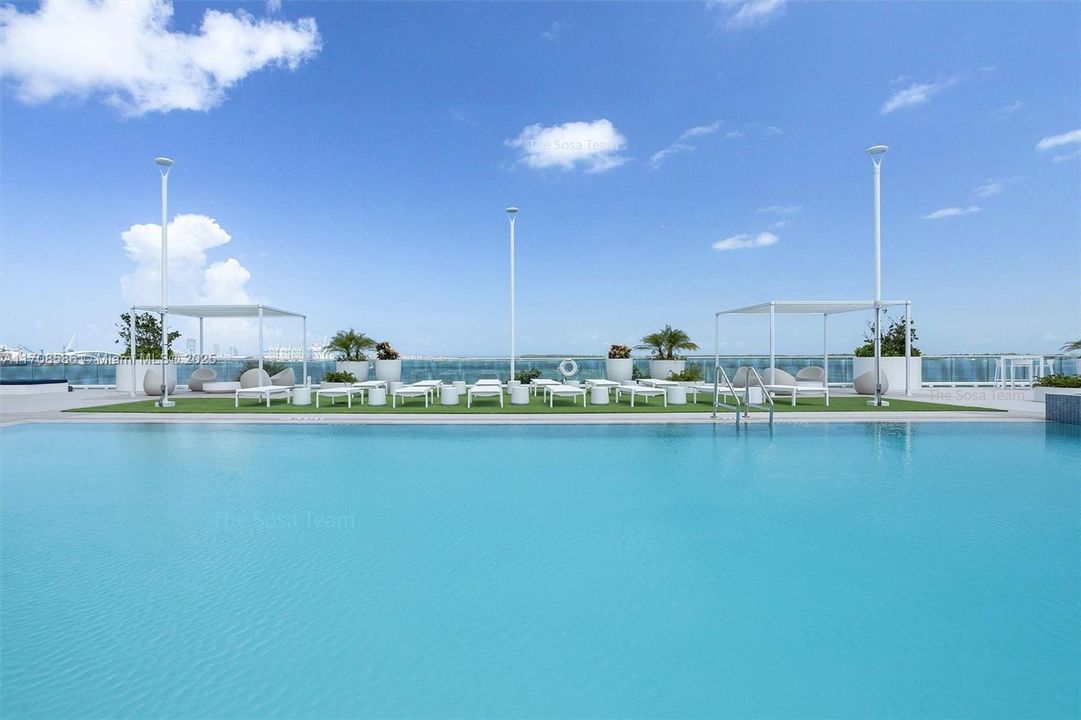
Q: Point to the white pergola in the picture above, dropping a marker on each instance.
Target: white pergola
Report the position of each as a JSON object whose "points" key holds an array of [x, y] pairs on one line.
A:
{"points": [[825, 308], [224, 311]]}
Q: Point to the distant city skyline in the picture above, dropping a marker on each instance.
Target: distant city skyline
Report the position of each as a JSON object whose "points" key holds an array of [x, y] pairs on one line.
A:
{"points": [[352, 162]]}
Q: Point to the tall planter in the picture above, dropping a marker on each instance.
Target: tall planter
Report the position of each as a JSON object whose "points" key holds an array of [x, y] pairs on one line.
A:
{"points": [[893, 368], [359, 368], [124, 373], [619, 369], [388, 370], [661, 369]]}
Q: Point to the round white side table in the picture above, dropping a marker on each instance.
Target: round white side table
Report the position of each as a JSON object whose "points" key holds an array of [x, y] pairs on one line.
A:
{"points": [[519, 395], [459, 385], [377, 396], [302, 395], [598, 395], [677, 395], [448, 395]]}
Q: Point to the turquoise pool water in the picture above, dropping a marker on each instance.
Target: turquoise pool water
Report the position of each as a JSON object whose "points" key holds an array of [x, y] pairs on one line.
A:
{"points": [[870, 570]]}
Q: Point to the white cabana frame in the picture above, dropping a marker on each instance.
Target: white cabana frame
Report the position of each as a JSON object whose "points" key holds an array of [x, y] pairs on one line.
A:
{"points": [[825, 308], [221, 311]]}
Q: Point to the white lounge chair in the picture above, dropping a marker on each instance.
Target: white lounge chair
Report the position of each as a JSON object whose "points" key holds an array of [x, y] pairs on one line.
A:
{"points": [[571, 391], [254, 378], [641, 391], [408, 391], [267, 391], [336, 392], [200, 376], [479, 390]]}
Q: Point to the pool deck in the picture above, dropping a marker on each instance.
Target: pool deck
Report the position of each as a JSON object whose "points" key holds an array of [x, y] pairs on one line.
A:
{"points": [[48, 408]]}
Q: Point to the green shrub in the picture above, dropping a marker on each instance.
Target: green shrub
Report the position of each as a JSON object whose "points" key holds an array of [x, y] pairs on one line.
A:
{"points": [[1059, 381], [893, 340], [336, 376], [691, 373], [619, 352], [527, 376]]}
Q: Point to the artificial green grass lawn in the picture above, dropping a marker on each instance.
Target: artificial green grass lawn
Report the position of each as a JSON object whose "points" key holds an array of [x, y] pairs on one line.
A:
{"points": [[490, 406]]}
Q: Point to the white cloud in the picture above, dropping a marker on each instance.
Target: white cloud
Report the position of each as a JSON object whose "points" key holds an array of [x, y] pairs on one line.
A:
{"points": [[780, 209], [1067, 156], [951, 212], [125, 53], [994, 186], [1010, 109], [742, 14], [553, 31], [700, 130], [746, 240], [593, 145], [1054, 141], [191, 279], [915, 94], [773, 130], [734, 135], [680, 145], [273, 6]]}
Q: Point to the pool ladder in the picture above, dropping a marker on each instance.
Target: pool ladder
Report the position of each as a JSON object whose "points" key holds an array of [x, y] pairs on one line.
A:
{"points": [[746, 405]]}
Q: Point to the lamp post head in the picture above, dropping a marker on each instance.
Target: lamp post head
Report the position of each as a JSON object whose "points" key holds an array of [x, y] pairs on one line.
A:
{"points": [[512, 210], [876, 152], [163, 164]]}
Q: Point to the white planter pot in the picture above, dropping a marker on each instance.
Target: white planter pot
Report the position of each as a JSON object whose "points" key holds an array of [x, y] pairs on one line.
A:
{"points": [[359, 368], [123, 374], [893, 368], [661, 369], [619, 369], [1039, 394], [388, 370]]}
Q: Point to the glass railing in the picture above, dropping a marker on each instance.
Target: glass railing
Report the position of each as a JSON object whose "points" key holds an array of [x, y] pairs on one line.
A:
{"points": [[945, 369]]}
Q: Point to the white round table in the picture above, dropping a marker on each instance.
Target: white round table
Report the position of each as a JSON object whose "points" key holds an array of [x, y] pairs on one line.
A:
{"points": [[519, 395], [459, 385], [302, 395], [377, 396], [448, 395], [598, 395], [677, 395]]}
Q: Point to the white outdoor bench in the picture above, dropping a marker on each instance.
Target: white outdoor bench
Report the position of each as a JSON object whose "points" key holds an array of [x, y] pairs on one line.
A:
{"points": [[266, 391]]}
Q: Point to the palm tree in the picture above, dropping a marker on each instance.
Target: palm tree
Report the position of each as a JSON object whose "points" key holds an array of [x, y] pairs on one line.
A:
{"points": [[665, 343], [349, 345], [1072, 347]]}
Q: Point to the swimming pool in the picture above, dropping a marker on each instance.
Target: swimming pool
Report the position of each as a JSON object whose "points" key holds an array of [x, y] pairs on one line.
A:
{"points": [[841, 570]]}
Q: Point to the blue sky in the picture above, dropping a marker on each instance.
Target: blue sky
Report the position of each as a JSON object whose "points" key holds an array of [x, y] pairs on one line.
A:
{"points": [[352, 161]]}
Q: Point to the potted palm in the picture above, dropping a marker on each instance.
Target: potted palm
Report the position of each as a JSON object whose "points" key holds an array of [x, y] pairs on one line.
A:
{"points": [[619, 367], [388, 364], [664, 344], [348, 347]]}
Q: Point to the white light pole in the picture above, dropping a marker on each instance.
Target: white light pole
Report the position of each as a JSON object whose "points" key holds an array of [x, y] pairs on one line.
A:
{"points": [[511, 213], [876, 152], [164, 164]]}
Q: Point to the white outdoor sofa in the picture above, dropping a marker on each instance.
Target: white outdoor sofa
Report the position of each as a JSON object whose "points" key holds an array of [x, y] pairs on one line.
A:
{"points": [[265, 391], [641, 391]]}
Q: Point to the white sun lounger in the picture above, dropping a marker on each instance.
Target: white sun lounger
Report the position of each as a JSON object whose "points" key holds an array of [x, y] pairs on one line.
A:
{"points": [[408, 391], [571, 391], [542, 383], [264, 391], [641, 391], [335, 393], [799, 389], [489, 383], [479, 390]]}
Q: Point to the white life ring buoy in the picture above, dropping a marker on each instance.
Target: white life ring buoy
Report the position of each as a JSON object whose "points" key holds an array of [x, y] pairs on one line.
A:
{"points": [[568, 368]]}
